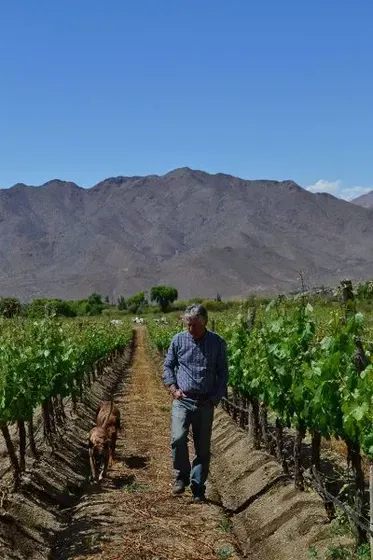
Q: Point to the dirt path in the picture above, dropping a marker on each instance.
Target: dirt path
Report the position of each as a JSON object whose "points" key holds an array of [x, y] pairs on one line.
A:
{"points": [[133, 514]]}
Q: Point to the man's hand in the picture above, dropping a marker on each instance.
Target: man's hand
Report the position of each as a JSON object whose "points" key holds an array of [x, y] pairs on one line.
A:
{"points": [[176, 392]]}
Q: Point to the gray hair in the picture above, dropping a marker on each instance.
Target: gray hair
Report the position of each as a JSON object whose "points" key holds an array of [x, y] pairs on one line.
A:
{"points": [[196, 310]]}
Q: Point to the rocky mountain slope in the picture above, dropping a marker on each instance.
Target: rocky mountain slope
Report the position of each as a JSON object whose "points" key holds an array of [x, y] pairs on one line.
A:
{"points": [[201, 233], [365, 200]]}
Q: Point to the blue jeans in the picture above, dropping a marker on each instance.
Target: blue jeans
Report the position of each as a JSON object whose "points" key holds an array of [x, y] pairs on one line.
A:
{"points": [[185, 413]]}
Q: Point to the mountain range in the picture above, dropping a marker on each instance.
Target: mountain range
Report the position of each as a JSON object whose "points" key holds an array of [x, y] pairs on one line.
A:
{"points": [[365, 200], [204, 234]]}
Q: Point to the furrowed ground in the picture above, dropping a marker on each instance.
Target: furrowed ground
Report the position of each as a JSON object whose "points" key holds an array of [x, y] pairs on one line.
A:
{"points": [[132, 514]]}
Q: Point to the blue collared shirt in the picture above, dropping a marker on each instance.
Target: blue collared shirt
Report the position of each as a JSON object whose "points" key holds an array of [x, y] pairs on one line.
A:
{"points": [[197, 367]]}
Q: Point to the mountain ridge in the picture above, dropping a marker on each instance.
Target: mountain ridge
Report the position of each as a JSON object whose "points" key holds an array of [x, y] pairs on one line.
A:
{"points": [[202, 233], [365, 200]]}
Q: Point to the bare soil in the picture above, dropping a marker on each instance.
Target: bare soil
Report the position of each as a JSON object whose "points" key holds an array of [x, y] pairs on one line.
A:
{"points": [[271, 519], [134, 511]]}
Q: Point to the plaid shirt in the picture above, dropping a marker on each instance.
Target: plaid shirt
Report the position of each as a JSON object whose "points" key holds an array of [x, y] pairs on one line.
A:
{"points": [[197, 367]]}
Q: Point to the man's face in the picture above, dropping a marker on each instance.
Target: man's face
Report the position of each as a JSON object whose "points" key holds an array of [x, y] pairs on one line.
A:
{"points": [[195, 326]]}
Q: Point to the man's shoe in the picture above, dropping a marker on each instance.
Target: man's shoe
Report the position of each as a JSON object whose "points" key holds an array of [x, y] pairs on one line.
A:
{"points": [[178, 487], [199, 499]]}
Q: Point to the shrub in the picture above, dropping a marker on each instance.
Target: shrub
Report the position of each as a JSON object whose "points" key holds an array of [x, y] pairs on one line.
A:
{"points": [[213, 305], [10, 307]]}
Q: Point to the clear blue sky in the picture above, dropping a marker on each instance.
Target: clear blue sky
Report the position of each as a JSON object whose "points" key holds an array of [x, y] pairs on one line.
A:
{"points": [[257, 88]]}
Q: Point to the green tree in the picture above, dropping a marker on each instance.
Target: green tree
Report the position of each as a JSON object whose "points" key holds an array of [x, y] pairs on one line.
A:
{"points": [[136, 301], [9, 307], [95, 299], [164, 296], [95, 304], [41, 307], [64, 308], [122, 304]]}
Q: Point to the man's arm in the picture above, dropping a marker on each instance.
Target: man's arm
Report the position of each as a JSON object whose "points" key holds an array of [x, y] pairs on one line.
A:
{"points": [[222, 372], [170, 363]]}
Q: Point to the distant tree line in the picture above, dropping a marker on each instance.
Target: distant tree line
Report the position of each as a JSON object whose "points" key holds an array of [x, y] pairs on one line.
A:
{"points": [[163, 296], [41, 307]]}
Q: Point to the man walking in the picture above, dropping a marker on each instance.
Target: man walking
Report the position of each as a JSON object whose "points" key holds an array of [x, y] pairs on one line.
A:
{"points": [[196, 373]]}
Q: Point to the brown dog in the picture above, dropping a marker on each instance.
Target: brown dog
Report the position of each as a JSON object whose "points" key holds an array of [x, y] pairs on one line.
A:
{"points": [[99, 452], [108, 416]]}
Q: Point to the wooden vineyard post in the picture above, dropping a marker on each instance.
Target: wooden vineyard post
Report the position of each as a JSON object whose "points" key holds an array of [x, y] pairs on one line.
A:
{"points": [[235, 403], [353, 451], [242, 412], [11, 451], [52, 415], [251, 320], [347, 299], [298, 475], [254, 430], [279, 446], [316, 444], [74, 402], [57, 411], [264, 425], [22, 445], [347, 291], [31, 437], [61, 408]]}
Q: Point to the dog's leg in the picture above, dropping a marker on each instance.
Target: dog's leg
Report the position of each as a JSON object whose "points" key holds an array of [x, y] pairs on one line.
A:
{"points": [[106, 464], [92, 463], [111, 460], [113, 446]]}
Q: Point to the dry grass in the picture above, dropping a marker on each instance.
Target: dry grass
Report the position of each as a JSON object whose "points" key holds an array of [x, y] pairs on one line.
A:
{"points": [[146, 521]]}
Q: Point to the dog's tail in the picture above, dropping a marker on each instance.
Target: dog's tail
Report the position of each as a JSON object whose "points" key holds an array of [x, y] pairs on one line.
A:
{"points": [[109, 414]]}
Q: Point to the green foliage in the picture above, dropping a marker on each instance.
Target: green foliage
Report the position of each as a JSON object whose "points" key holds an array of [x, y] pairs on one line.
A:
{"points": [[364, 292], [39, 308], [164, 296], [10, 307], [95, 299], [214, 305], [122, 304], [44, 358], [182, 304], [225, 552], [307, 374], [226, 525], [161, 334], [79, 307], [341, 553], [136, 302], [93, 309], [89, 307]]}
